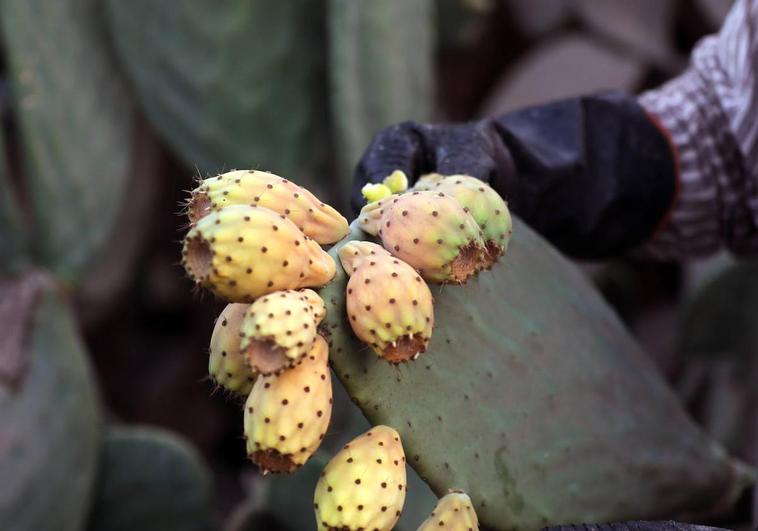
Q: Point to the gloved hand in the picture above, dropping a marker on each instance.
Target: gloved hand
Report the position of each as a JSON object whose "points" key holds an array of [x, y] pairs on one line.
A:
{"points": [[594, 175]]}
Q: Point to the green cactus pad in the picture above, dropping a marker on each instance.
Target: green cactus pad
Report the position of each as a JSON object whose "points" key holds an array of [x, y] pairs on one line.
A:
{"points": [[230, 85], [381, 56], [534, 399], [50, 428], [151, 480], [76, 120]]}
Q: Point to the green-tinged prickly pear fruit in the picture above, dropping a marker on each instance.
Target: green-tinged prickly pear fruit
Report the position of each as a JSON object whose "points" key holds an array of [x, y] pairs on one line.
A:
{"points": [[286, 415], [314, 218], [429, 230], [226, 364], [486, 207], [364, 485], [242, 252], [375, 192], [279, 329], [389, 305], [427, 181], [454, 512], [396, 181]]}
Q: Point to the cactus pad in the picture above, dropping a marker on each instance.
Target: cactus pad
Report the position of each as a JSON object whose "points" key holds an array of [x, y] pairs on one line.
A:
{"points": [[534, 399]]}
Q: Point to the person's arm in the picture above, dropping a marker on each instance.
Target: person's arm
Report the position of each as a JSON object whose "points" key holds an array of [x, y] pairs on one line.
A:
{"points": [[593, 174], [605, 174], [711, 115]]}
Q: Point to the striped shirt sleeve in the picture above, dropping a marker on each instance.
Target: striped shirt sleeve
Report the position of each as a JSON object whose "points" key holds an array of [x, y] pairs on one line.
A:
{"points": [[710, 113]]}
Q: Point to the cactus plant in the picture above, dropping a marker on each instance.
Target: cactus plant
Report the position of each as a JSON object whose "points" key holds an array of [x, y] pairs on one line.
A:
{"points": [[50, 426], [78, 153], [380, 69], [530, 391], [151, 480], [205, 72]]}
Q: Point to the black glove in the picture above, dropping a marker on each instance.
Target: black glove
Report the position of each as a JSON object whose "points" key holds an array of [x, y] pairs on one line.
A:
{"points": [[594, 174]]}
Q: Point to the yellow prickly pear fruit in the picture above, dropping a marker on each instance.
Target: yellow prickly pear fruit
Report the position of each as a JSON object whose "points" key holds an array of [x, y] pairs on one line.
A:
{"points": [[430, 231], [355, 253], [242, 252], [486, 207], [279, 329], [396, 181], [364, 485], [389, 306], [226, 364], [314, 218], [375, 192], [454, 512], [370, 218], [427, 181], [286, 415]]}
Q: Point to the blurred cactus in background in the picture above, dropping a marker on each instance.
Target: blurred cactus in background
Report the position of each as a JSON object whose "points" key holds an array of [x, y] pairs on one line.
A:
{"points": [[111, 108]]}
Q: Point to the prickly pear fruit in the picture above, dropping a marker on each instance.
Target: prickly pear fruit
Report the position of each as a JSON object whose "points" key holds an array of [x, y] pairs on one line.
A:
{"points": [[389, 305], [364, 485], [484, 204], [286, 415], [396, 181], [429, 230], [454, 512], [370, 218], [242, 252], [314, 218], [427, 181], [226, 365], [375, 192], [279, 329]]}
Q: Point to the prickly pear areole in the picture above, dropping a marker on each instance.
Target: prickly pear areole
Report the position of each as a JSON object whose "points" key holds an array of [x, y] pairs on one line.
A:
{"points": [[255, 240]]}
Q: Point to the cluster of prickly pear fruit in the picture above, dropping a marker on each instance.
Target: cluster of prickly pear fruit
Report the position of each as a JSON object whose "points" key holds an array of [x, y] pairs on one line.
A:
{"points": [[389, 305], [448, 228], [254, 240]]}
